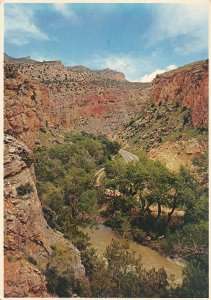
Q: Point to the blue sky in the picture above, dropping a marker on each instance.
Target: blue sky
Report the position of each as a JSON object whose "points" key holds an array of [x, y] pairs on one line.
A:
{"points": [[138, 39]]}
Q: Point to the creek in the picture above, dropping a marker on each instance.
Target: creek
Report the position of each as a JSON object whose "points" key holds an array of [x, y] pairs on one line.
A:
{"points": [[102, 236]]}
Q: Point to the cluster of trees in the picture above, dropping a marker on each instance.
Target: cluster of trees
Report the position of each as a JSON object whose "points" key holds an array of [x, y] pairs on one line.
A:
{"points": [[120, 274], [116, 274], [143, 188], [143, 197], [65, 179], [140, 201]]}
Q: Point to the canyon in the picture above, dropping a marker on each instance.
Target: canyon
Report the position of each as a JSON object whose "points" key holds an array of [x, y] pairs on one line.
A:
{"points": [[47, 97], [42, 95]]}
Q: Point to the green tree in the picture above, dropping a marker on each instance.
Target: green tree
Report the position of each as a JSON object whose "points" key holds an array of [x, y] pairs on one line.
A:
{"points": [[196, 281], [60, 274], [122, 275]]}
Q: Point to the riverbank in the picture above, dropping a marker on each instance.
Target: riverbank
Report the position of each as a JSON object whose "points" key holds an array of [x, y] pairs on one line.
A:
{"points": [[102, 236], [148, 241]]}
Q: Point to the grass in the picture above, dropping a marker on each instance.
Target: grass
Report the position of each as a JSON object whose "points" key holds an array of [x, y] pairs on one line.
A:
{"points": [[140, 153], [119, 158], [186, 134]]}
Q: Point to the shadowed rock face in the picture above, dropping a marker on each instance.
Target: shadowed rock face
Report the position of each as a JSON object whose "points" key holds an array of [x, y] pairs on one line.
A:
{"points": [[26, 231], [189, 86]]}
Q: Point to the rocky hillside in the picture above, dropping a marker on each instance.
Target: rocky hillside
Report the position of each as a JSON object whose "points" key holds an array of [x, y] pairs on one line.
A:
{"points": [[177, 111], [48, 94], [189, 86], [75, 98], [27, 105], [155, 124], [28, 240], [46, 98], [10, 59]]}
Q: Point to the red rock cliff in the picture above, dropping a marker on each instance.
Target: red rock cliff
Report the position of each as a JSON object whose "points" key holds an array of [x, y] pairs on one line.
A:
{"points": [[26, 107], [73, 98], [189, 85], [79, 99]]}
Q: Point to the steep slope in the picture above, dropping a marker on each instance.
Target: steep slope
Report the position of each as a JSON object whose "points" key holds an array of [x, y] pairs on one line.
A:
{"points": [[189, 86], [26, 107], [28, 240], [75, 98], [47, 96], [178, 102], [155, 124]]}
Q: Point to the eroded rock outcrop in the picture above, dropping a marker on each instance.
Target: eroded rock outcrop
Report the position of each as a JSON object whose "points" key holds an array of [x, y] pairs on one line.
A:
{"points": [[189, 86], [75, 98], [44, 94], [27, 234], [48, 94], [175, 154], [26, 108]]}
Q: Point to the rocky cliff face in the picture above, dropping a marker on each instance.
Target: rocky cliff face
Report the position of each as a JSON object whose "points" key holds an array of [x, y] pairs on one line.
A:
{"points": [[26, 108], [189, 86], [179, 153], [27, 237], [38, 95], [111, 74], [75, 98]]}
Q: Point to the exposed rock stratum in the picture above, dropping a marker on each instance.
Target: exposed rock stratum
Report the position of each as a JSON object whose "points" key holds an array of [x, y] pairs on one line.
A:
{"points": [[26, 231]]}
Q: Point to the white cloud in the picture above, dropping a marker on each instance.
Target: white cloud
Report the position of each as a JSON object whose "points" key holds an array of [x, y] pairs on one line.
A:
{"points": [[122, 63], [131, 66], [151, 76], [64, 9], [171, 67], [189, 21], [126, 64], [20, 25]]}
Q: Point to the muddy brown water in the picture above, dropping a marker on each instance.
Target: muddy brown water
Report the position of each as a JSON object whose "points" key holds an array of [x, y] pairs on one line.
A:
{"points": [[102, 236]]}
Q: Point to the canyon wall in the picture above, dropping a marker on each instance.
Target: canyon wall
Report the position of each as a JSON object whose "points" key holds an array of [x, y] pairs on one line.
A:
{"points": [[38, 95], [76, 98], [189, 86], [27, 237]]}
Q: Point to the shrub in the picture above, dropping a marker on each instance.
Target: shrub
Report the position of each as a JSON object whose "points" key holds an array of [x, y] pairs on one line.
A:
{"points": [[42, 129], [138, 235], [196, 281], [32, 260], [60, 274], [25, 156], [122, 275], [24, 189]]}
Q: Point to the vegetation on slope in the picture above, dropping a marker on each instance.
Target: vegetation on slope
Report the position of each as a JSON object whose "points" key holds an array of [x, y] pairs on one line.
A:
{"points": [[131, 212], [65, 179], [159, 123], [140, 202]]}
